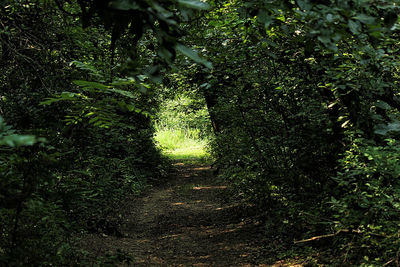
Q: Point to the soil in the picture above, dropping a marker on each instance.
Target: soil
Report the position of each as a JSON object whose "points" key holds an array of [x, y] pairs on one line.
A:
{"points": [[187, 222]]}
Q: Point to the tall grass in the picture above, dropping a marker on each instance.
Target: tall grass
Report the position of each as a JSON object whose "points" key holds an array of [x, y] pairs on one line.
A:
{"points": [[182, 144], [172, 139], [182, 133]]}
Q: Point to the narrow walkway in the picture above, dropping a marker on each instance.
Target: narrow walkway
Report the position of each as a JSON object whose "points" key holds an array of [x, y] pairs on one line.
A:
{"points": [[185, 223]]}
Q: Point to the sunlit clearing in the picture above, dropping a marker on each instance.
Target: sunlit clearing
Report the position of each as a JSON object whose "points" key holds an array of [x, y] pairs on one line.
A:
{"points": [[180, 144]]}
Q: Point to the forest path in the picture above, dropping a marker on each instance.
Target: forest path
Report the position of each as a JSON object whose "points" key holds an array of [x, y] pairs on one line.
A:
{"points": [[186, 223]]}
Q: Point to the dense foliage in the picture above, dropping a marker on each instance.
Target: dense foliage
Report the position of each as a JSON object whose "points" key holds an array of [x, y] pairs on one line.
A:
{"points": [[304, 102], [302, 97], [94, 137]]}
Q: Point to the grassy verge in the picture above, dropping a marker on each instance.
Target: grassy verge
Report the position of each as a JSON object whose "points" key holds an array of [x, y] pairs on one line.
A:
{"points": [[182, 145]]}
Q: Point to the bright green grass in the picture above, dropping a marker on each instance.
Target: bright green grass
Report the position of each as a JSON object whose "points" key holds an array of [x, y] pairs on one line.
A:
{"points": [[182, 145]]}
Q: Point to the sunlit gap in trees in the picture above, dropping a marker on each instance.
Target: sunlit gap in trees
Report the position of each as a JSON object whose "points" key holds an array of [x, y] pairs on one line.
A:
{"points": [[182, 130]]}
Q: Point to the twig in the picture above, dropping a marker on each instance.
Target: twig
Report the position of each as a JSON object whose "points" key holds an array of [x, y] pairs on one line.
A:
{"points": [[322, 236], [338, 232], [348, 250], [387, 263]]}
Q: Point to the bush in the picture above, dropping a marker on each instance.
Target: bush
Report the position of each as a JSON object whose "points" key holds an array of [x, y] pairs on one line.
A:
{"points": [[368, 203]]}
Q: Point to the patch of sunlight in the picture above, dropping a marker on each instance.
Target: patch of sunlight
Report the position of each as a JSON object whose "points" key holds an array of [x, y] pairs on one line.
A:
{"points": [[208, 187], [182, 145], [188, 155]]}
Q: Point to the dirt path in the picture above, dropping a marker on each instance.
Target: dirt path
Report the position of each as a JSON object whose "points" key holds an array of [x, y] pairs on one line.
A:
{"points": [[185, 223]]}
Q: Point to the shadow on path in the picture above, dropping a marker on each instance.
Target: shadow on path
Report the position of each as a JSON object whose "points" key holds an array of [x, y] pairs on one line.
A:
{"points": [[185, 223]]}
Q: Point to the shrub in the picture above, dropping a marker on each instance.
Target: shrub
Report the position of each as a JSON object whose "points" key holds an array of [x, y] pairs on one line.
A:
{"points": [[368, 203]]}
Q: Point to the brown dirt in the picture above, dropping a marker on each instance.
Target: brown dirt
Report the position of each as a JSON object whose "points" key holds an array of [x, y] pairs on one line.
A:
{"points": [[185, 223]]}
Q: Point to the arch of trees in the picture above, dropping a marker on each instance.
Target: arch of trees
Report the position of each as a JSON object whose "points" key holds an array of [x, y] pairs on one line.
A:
{"points": [[303, 100]]}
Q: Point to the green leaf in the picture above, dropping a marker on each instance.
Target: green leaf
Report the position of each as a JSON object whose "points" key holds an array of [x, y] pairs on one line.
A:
{"points": [[383, 105], [394, 126], [165, 54], [93, 120], [49, 101], [354, 26], [131, 108], [344, 125], [382, 129], [264, 18], [194, 4], [122, 92], [304, 4], [366, 19], [192, 54], [16, 140], [122, 82], [62, 97], [87, 67], [329, 17], [324, 39]]}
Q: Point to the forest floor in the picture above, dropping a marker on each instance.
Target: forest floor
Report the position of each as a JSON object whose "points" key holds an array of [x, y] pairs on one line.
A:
{"points": [[187, 222]]}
